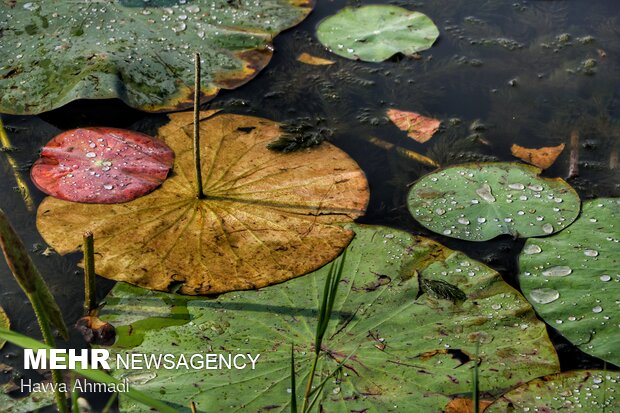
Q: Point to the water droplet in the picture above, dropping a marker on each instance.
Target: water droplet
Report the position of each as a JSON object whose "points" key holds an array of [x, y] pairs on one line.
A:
{"points": [[447, 232], [590, 253], [544, 295], [535, 188], [179, 27], [193, 9], [520, 213], [90, 154], [482, 220], [547, 228], [108, 186], [559, 271], [507, 219], [516, 186], [532, 249], [31, 6], [496, 306], [139, 377], [484, 192], [605, 278], [597, 309], [558, 200], [440, 211], [463, 221]]}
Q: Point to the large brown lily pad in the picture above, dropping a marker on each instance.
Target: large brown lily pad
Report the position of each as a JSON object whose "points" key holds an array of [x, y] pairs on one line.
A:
{"points": [[268, 216]]}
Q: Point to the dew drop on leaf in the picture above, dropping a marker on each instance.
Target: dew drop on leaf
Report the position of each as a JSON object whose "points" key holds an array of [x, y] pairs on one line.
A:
{"points": [[559, 271], [544, 295]]}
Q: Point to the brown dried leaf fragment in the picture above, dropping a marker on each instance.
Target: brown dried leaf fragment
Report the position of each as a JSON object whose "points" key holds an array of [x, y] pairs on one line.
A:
{"points": [[541, 157]]}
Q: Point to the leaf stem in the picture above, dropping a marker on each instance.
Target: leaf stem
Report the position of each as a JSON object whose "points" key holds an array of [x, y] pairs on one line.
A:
{"points": [[199, 191], [48, 338], [19, 179], [90, 300]]}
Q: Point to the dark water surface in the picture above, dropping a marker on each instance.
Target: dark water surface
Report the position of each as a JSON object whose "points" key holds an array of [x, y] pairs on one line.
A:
{"points": [[527, 72]]}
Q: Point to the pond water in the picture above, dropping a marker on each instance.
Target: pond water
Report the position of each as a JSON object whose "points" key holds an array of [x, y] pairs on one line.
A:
{"points": [[529, 73]]}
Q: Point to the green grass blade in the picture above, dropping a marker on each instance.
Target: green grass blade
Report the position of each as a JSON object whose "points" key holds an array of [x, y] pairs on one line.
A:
{"points": [[95, 375]]}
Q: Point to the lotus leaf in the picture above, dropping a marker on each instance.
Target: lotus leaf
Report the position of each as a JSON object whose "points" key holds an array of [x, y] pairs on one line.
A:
{"points": [[53, 52], [4, 323], [477, 202], [377, 32], [569, 392], [268, 216], [407, 350], [573, 279], [27, 404], [101, 165]]}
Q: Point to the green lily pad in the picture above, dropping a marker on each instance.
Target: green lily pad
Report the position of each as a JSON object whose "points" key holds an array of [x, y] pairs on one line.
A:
{"points": [[408, 350], [477, 202], [377, 32], [573, 279], [4, 323], [572, 391], [53, 52], [26, 404]]}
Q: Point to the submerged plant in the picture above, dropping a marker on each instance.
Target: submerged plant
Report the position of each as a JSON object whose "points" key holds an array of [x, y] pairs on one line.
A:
{"points": [[300, 134]]}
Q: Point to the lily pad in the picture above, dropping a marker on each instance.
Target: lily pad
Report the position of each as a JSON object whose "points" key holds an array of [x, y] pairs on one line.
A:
{"points": [[4, 323], [573, 279], [571, 391], [477, 202], [101, 165], [377, 32], [25, 404], [267, 217], [53, 52], [408, 350]]}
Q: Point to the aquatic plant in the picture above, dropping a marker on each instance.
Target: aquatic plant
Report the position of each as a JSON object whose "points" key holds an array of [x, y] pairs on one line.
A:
{"points": [[478, 202], [572, 279]]}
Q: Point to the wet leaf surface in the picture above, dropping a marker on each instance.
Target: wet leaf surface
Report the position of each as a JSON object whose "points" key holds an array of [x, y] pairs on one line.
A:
{"points": [[101, 165], [419, 128], [573, 279], [30, 403], [541, 157], [570, 392], [406, 351], [377, 32], [465, 406], [268, 216], [477, 202], [4, 323], [54, 52]]}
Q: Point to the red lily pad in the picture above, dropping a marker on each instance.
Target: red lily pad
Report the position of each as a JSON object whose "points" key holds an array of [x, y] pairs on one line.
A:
{"points": [[101, 165]]}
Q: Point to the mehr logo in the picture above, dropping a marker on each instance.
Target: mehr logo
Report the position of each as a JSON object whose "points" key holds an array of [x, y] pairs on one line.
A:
{"points": [[66, 359]]}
